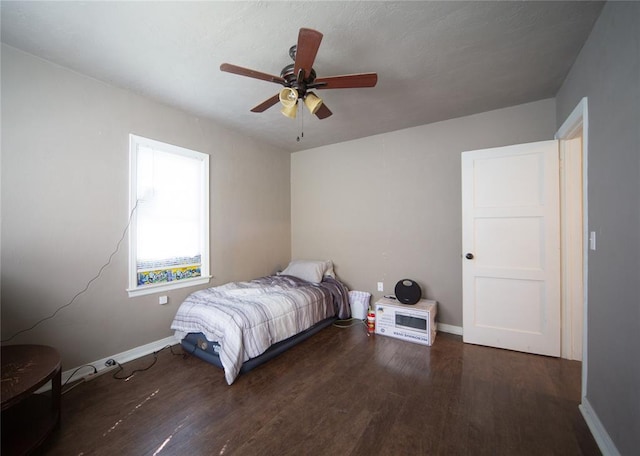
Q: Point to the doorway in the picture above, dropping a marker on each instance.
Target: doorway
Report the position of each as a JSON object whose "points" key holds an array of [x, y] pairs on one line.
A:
{"points": [[573, 137], [572, 240], [570, 314]]}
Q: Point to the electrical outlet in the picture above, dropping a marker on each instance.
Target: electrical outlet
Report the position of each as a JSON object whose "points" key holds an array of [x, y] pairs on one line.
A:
{"points": [[163, 300], [380, 286]]}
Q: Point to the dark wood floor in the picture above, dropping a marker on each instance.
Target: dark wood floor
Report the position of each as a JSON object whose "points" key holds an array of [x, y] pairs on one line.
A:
{"points": [[339, 393]]}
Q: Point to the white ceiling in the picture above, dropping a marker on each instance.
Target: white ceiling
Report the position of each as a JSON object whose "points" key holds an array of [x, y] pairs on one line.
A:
{"points": [[435, 60]]}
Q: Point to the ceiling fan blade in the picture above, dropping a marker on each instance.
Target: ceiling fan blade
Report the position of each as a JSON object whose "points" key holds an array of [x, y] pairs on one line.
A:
{"points": [[347, 81], [323, 112], [306, 50], [267, 103], [229, 68]]}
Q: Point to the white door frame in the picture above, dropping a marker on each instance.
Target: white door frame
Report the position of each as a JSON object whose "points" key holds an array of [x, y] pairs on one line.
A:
{"points": [[578, 119]]}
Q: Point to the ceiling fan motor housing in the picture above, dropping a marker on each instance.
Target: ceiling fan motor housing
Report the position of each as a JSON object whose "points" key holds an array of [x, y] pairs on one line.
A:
{"points": [[299, 83]]}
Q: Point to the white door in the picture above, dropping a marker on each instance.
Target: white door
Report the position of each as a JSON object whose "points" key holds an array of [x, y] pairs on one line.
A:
{"points": [[511, 247]]}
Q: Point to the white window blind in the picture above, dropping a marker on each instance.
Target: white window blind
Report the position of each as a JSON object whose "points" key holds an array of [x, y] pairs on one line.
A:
{"points": [[169, 235]]}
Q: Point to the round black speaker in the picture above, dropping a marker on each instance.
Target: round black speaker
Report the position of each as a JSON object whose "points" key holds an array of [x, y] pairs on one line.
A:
{"points": [[408, 292]]}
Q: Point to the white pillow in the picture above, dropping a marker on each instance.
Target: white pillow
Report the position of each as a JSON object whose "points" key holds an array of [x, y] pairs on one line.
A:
{"points": [[328, 271], [309, 270]]}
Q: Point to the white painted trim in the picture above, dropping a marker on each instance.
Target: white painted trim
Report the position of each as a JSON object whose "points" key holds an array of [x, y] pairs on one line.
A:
{"points": [[151, 347], [161, 287], [121, 358], [579, 117], [443, 327], [597, 429], [575, 120]]}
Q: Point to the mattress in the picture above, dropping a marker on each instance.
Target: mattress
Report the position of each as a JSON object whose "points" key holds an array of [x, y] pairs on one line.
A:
{"points": [[196, 344], [246, 318]]}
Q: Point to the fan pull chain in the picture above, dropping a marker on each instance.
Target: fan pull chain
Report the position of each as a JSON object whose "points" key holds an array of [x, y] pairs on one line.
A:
{"points": [[301, 125]]}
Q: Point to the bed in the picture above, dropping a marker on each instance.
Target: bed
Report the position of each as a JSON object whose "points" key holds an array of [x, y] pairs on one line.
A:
{"points": [[239, 325]]}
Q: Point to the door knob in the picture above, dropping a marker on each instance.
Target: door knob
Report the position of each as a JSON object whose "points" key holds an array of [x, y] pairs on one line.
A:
{"points": [[469, 256]]}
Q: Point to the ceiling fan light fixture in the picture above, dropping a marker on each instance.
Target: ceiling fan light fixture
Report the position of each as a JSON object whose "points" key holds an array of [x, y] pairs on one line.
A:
{"points": [[312, 102], [288, 97], [290, 111]]}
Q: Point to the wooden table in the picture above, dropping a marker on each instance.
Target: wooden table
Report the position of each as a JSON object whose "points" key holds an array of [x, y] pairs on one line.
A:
{"points": [[28, 418]]}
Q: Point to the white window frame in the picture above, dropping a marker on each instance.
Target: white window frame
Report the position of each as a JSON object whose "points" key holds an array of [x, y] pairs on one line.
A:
{"points": [[134, 289]]}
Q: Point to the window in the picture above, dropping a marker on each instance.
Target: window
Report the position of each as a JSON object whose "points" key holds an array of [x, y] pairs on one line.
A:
{"points": [[169, 231]]}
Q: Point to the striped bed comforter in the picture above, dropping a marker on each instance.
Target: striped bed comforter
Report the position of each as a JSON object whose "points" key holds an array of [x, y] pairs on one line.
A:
{"points": [[246, 318]]}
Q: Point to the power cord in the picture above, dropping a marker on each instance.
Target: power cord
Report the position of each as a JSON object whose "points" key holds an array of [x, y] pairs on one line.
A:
{"points": [[135, 371], [95, 371], [104, 266], [349, 322]]}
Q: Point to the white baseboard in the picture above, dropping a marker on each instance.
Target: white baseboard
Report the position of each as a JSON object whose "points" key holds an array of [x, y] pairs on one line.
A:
{"points": [[121, 358], [457, 330], [598, 431]]}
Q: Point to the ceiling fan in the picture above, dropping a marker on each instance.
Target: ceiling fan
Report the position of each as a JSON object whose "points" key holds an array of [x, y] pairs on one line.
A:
{"points": [[299, 78]]}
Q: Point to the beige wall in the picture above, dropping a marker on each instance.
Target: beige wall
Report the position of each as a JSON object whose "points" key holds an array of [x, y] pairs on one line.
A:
{"points": [[65, 205], [387, 207]]}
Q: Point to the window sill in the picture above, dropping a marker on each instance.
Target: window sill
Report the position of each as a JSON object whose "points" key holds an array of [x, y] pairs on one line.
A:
{"points": [[167, 286]]}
